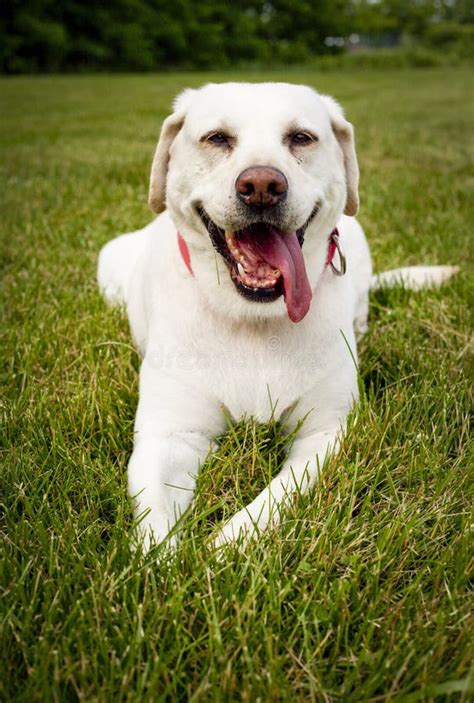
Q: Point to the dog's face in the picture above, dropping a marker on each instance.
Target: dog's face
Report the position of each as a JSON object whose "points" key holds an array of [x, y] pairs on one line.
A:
{"points": [[249, 172]]}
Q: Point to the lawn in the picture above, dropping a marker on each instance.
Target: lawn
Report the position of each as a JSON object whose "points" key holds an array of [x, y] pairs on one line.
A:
{"points": [[363, 595]]}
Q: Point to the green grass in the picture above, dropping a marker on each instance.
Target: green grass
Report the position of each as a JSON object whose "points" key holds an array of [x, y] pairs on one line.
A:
{"points": [[363, 594]]}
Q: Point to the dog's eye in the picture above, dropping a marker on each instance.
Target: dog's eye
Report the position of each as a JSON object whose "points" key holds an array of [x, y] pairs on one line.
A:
{"points": [[302, 138], [218, 138]]}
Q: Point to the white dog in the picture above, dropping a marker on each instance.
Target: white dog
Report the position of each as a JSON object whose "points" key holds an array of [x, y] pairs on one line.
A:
{"points": [[236, 293]]}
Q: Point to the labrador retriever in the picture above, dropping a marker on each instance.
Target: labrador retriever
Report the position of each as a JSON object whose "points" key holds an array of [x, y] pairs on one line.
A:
{"points": [[247, 291]]}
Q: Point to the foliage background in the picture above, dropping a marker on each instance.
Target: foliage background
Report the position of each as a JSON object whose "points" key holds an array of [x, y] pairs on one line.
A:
{"points": [[141, 35]]}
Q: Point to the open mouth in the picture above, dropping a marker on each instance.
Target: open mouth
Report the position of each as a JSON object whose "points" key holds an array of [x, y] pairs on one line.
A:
{"points": [[265, 262]]}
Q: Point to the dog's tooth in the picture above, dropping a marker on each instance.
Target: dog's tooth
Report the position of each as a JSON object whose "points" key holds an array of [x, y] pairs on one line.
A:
{"points": [[240, 269], [230, 240]]}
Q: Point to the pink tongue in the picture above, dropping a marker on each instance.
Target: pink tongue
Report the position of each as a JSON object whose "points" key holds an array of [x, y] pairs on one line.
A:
{"points": [[282, 250]]}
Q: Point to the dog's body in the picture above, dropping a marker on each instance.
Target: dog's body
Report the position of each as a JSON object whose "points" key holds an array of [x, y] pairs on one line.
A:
{"points": [[250, 169]]}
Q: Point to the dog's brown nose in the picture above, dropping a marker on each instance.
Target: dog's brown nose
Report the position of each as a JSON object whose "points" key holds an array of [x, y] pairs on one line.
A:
{"points": [[262, 186]]}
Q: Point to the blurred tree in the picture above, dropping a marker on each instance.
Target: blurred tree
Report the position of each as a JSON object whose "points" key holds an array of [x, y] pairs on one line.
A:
{"points": [[46, 35]]}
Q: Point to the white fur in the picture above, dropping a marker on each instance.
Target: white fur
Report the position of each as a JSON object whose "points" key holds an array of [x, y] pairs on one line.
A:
{"points": [[414, 277], [205, 347]]}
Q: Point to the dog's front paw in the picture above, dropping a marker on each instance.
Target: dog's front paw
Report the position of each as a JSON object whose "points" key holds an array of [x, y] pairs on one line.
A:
{"points": [[150, 533], [240, 529]]}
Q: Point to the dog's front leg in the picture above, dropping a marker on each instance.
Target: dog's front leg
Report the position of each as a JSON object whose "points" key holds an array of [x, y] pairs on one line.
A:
{"points": [[298, 474], [173, 431], [161, 480]]}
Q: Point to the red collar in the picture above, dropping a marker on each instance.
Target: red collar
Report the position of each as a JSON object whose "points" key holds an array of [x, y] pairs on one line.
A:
{"points": [[332, 248], [184, 251], [332, 245]]}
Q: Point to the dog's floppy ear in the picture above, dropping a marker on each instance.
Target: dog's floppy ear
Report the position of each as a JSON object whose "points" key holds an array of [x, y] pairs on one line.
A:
{"points": [[159, 168], [344, 133]]}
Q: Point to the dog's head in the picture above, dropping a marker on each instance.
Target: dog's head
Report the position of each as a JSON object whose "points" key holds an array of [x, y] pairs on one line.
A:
{"points": [[249, 171]]}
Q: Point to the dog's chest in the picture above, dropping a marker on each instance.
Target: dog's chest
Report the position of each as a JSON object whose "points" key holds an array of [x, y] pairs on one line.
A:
{"points": [[257, 375], [253, 368]]}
